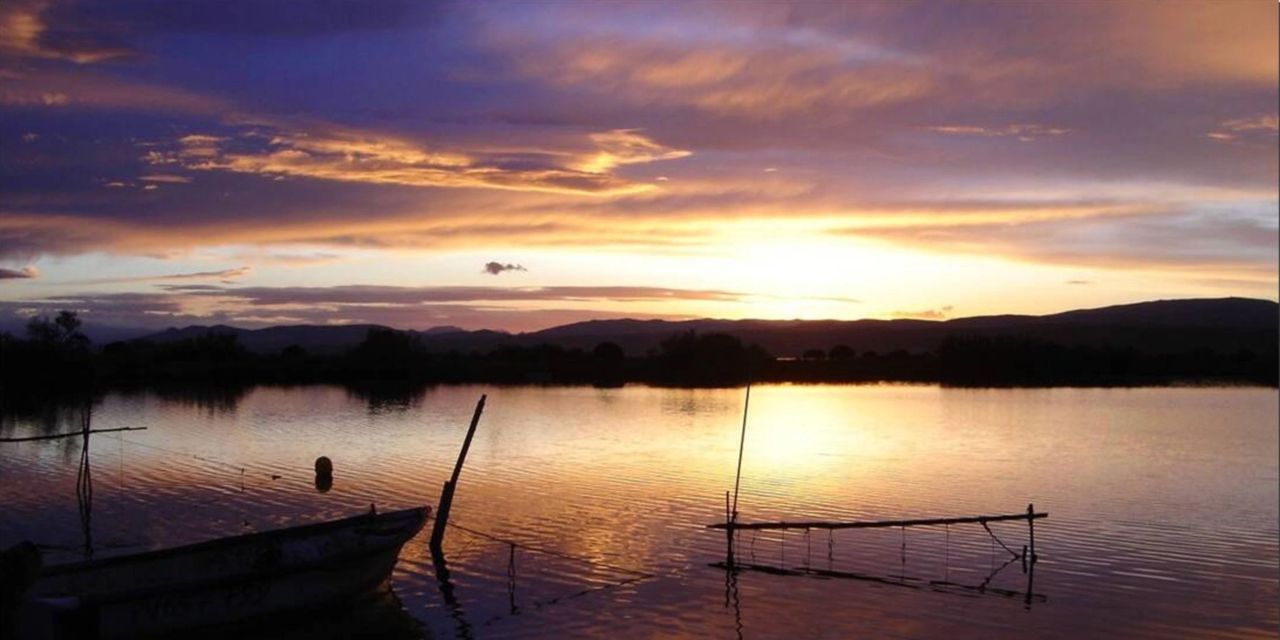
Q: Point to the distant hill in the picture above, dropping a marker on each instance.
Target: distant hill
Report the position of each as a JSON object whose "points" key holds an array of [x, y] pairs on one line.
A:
{"points": [[320, 339], [1224, 324]]}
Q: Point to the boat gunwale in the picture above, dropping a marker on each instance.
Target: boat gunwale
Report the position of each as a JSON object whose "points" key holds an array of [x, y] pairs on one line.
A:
{"points": [[253, 577], [422, 513]]}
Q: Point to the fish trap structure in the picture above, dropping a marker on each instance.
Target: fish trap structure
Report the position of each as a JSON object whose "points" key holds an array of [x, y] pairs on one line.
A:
{"points": [[733, 526]]}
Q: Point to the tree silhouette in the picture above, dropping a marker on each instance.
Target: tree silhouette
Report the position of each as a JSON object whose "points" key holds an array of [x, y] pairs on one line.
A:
{"points": [[63, 331]]}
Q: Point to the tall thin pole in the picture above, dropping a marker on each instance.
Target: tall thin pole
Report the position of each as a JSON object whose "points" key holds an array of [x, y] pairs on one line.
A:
{"points": [[742, 441]]}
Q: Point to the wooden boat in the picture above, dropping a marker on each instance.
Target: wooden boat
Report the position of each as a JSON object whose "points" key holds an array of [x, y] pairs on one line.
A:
{"points": [[219, 582]]}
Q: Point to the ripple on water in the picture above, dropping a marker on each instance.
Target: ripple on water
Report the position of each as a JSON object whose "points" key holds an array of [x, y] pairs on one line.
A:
{"points": [[1160, 526]]}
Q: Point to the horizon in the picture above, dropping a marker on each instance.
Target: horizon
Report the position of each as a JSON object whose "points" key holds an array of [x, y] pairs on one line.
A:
{"points": [[143, 332], [519, 167]]}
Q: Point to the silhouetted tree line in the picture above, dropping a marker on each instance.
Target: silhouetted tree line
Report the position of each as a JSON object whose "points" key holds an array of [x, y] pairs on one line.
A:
{"points": [[1009, 361], [55, 356]]}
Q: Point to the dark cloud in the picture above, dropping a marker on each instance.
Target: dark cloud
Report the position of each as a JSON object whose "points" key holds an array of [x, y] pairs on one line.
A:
{"points": [[495, 268], [222, 275], [13, 274], [95, 32]]}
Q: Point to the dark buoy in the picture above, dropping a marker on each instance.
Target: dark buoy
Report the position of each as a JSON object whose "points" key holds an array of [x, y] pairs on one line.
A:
{"points": [[324, 474]]}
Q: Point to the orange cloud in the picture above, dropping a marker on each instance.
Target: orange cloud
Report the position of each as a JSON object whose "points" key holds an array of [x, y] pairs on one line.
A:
{"points": [[23, 31], [1023, 132], [764, 62], [924, 314], [1257, 128], [332, 153]]}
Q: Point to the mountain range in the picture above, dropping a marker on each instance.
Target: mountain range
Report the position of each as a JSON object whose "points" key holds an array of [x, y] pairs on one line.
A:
{"points": [[1224, 324]]}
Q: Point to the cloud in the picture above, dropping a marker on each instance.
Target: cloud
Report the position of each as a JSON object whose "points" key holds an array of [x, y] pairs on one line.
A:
{"points": [[165, 178], [1228, 237], [15, 274], [831, 62], [924, 314], [1080, 282], [347, 155], [1023, 132], [498, 126], [225, 276], [391, 295], [94, 32], [624, 146], [24, 32], [1262, 128], [496, 268], [293, 259], [59, 90]]}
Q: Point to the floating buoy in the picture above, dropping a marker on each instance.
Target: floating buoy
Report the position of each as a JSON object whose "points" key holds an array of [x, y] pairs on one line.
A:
{"points": [[324, 474]]}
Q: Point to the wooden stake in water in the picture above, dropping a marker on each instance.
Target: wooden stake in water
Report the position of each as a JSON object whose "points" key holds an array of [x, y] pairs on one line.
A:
{"points": [[737, 478], [446, 495]]}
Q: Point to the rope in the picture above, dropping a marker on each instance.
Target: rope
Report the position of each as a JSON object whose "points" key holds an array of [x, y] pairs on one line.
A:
{"points": [[904, 545], [550, 552], [634, 576], [946, 553], [831, 548], [808, 549], [999, 541], [213, 461]]}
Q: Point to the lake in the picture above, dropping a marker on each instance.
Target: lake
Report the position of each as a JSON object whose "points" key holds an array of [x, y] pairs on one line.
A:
{"points": [[1162, 503]]}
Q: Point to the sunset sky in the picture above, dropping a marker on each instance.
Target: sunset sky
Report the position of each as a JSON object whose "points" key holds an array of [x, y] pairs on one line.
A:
{"points": [[520, 165]]}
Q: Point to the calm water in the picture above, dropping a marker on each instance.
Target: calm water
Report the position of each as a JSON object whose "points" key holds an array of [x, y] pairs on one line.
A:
{"points": [[1162, 502]]}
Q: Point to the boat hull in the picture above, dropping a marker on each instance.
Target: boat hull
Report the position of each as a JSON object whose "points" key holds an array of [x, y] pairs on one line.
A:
{"points": [[228, 580]]}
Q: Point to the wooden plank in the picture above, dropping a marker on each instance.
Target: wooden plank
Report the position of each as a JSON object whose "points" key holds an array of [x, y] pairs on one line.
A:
{"points": [[873, 524], [71, 435]]}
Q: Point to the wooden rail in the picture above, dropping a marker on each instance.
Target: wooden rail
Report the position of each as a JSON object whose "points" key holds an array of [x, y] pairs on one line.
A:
{"points": [[71, 434], [1028, 554], [873, 524]]}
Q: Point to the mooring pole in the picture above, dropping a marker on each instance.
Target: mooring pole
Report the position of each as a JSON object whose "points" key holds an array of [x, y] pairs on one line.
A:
{"points": [[737, 478], [1031, 531], [446, 494], [728, 530]]}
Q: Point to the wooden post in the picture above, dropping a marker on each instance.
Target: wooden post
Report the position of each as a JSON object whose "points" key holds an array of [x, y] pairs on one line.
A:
{"points": [[446, 494], [729, 519], [1031, 531]]}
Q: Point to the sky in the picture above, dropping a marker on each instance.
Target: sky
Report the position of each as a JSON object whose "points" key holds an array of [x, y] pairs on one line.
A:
{"points": [[518, 165]]}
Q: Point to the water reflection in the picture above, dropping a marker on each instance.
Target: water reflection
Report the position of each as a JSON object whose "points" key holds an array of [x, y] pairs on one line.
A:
{"points": [[381, 616], [388, 396], [210, 399], [1164, 503], [45, 413]]}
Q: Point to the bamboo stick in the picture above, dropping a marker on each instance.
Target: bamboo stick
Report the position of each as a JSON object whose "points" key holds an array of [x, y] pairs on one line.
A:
{"points": [[71, 435], [872, 524]]}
